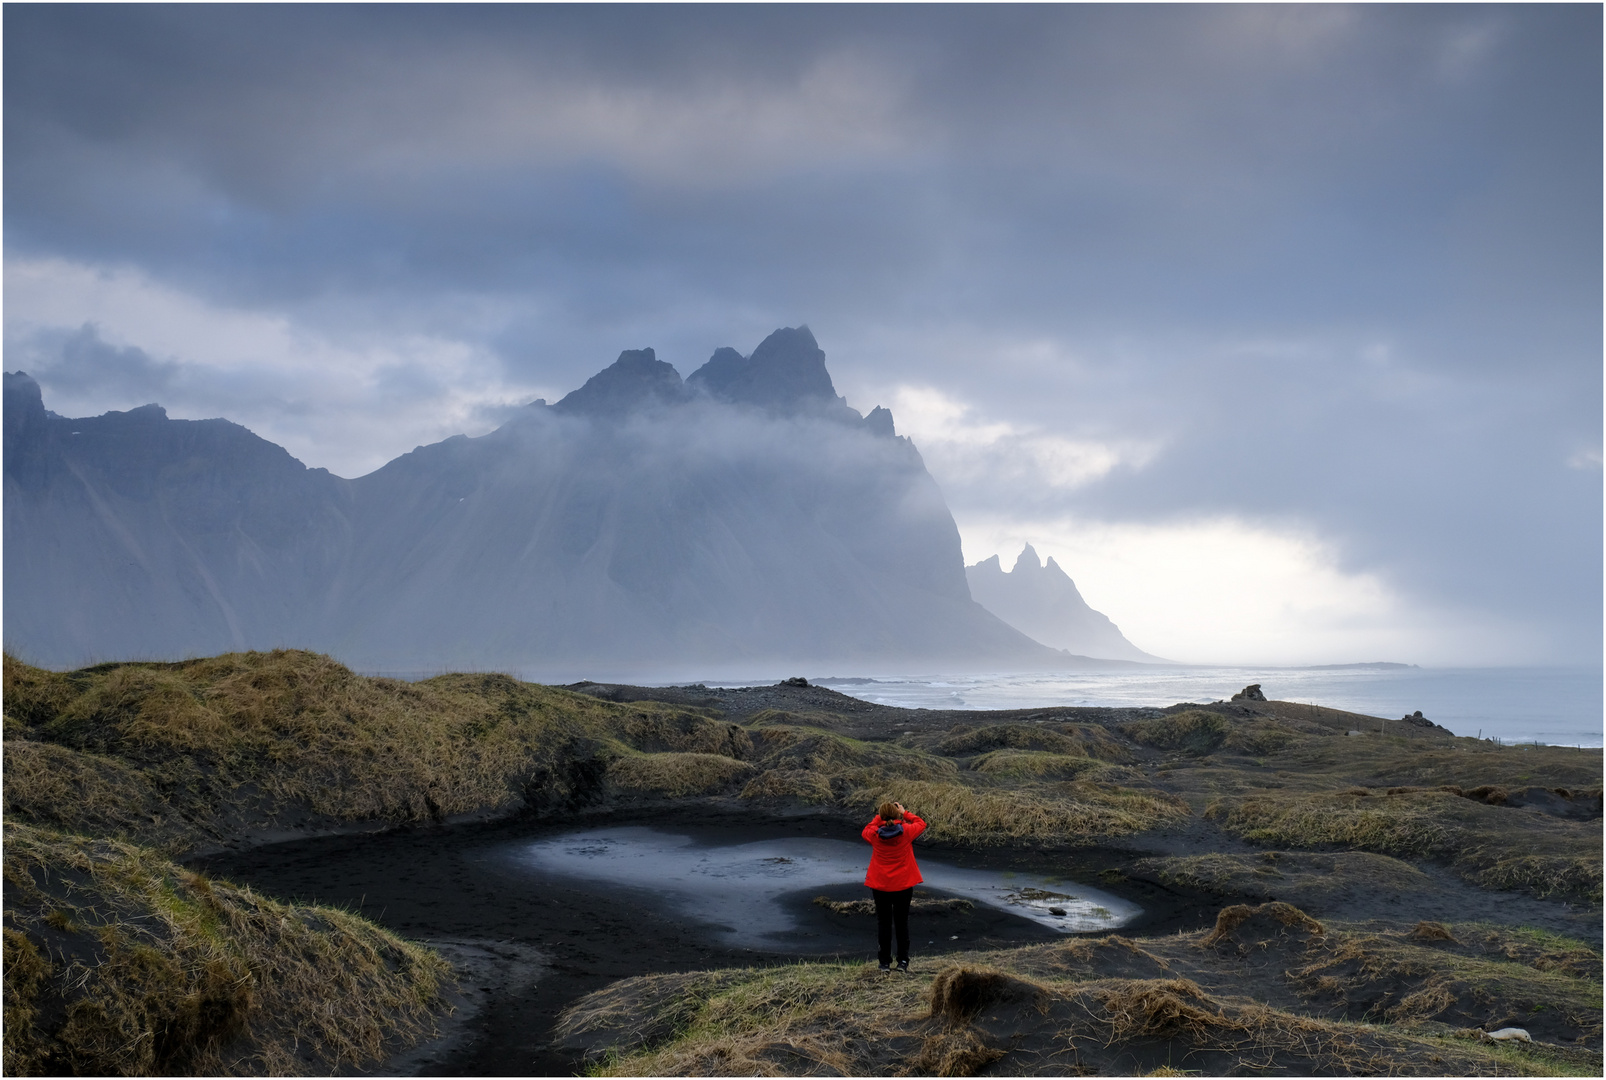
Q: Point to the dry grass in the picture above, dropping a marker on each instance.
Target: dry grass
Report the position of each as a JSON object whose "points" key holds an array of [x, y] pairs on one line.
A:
{"points": [[1299, 877], [780, 1021], [1438, 973], [1230, 919], [1072, 740], [802, 784], [1078, 813], [1197, 732], [1194, 732], [1542, 875], [147, 969], [788, 747], [1033, 765], [65, 789], [1480, 840], [677, 774], [255, 736], [989, 1014], [1396, 760], [1531, 947]]}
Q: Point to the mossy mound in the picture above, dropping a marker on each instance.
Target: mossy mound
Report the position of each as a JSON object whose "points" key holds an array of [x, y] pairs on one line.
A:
{"points": [[1236, 1000], [788, 746], [1498, 847], [804, 785], [1197, 732], [1073, 814], [1305, 878], [173, 753], [677, 775], [1029, 765], [119, 962], [1073, 740]]}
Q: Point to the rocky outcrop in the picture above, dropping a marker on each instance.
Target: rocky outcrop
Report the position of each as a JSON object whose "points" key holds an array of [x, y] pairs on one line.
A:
{"points": [[637, 380], [785, 373]]}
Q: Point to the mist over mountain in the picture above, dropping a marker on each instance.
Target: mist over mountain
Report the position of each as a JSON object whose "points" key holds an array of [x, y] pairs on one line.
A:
{"points": [[1041, 600], [742, 518]]}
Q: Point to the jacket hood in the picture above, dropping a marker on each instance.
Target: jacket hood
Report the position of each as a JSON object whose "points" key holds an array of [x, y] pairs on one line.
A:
{"points": [[890, 831]]}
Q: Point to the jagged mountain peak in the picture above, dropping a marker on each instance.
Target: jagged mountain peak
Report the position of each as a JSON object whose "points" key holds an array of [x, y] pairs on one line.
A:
{"points": [[785, 373], [712, 533], [1027, 560], [636, 380], [1041, 600]]}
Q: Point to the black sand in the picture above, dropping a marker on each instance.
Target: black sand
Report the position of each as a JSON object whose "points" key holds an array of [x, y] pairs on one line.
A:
{"points": [[527, 949]]}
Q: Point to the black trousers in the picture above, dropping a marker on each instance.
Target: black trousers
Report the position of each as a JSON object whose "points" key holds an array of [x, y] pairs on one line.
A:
{"points": [[892, 912]]}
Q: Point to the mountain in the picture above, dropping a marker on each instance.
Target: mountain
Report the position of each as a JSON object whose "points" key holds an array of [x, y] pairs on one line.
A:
{"points": [[1043, 602], [133, 535], [734, 521]]}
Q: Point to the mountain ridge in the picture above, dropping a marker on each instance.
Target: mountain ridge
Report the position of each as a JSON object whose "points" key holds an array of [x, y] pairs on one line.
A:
{"points": [[1041, 601], [741, 519]]}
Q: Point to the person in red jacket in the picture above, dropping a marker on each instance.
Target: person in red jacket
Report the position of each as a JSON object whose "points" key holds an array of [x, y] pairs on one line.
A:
{"points": [[892, 876]]}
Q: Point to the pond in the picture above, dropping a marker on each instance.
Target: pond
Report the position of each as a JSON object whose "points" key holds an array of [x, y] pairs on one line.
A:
{"points": [[749, 894]]}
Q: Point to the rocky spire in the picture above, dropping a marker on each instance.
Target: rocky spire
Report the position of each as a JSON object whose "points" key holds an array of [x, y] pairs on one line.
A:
{"points": [[786, 373], [637, 379]]}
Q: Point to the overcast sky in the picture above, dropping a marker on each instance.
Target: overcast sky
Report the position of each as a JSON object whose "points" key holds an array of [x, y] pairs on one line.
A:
{"points": [[1280, 327]]}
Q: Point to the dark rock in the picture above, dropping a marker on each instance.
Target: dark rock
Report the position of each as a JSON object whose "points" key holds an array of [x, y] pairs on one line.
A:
{"points": [[880, 422], [637, 380], [786, 374], [1249, 693], [796, 680]]}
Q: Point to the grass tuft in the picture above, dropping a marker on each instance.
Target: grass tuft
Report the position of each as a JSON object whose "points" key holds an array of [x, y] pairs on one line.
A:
{"points": [[1559, 856], [1073, 814], [1030, 765], [678, 775], [156, 970]]}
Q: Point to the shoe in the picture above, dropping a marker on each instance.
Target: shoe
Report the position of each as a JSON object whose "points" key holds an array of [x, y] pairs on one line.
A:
{"points": [[903, 967], [886, 969]]}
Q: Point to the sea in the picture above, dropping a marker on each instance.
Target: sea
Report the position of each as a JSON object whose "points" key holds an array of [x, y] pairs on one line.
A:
{"points": [[1560, 706]]}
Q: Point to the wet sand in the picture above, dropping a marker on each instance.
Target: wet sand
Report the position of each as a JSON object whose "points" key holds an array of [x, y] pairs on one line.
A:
{"points": [[528, 947]]}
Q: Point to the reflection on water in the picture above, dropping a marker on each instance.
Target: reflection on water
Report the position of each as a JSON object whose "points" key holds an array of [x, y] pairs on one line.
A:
{"points": [[737, 887]]}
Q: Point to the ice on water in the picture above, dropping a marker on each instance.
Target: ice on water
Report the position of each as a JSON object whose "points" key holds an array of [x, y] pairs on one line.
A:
{"points": [[738, 887]]}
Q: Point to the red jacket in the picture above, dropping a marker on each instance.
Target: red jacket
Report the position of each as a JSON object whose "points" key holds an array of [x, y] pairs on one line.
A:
{"points": [[892, 862]]}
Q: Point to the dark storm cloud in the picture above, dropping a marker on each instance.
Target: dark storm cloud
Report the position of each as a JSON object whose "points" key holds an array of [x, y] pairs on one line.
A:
{"points": [[1342, 264], [74, 361]]}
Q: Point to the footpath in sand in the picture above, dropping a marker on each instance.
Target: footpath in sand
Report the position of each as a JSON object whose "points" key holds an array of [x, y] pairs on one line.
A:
{"points": [[264, 863]]}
